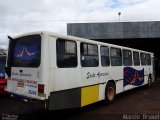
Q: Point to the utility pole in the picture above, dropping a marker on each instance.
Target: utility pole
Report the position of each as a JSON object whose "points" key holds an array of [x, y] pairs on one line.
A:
{"points": [[119, 14]]}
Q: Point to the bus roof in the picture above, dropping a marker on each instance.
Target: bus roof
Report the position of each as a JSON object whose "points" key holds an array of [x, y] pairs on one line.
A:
{"points": [[68, 37]]}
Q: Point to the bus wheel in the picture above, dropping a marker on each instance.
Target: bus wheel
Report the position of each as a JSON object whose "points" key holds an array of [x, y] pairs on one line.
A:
{"points": [[149, 80], [110, 92]]}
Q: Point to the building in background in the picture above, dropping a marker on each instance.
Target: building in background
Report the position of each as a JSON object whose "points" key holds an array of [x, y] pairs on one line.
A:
{"points": [[139, 35], [3, 51]]}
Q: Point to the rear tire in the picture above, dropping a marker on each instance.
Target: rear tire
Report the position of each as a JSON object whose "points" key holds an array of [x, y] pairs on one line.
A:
{"points": [[110, 92], [149, 80]]}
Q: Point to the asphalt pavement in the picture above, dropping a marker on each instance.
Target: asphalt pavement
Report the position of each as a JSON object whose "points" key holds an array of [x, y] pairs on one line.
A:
{"points": [[140, 104]]}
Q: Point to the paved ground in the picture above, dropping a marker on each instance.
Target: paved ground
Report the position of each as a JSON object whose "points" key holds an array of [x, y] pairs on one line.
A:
{"points": [[142, 103]]}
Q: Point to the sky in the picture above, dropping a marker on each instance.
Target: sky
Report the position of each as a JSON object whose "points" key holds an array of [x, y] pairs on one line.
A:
{"points": [[22, 16]]}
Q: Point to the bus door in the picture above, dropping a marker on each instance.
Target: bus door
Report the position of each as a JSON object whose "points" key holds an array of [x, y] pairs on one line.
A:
{"points": [[89, 72]]}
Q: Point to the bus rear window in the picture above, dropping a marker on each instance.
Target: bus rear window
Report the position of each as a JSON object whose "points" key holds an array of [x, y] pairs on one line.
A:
{"points": [[25, 51]]}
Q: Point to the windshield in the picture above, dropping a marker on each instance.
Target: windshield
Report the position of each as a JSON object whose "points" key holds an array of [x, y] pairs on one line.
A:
{"points": [[2, 63], [25, 51]]}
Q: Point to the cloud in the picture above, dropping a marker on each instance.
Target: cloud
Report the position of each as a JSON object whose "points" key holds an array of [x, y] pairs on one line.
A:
{"points": [[3, 42], [21, 16]]}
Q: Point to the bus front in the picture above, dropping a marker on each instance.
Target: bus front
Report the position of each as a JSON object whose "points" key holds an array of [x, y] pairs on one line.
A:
{"points": [[3, 81], [23, 67]]}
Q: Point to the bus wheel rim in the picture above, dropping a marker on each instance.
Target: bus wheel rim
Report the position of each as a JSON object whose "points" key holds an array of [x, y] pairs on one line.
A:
{"points": [[110, 93]]}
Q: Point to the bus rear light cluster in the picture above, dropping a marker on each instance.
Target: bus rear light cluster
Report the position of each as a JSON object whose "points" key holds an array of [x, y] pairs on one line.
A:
{"points": [[40, 88]]}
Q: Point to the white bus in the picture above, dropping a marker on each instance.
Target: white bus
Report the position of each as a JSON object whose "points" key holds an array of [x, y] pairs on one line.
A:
{"points": [[67, 72]]}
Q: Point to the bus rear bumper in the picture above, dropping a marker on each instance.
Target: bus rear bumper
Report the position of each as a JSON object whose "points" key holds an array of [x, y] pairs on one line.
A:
{"points": [[25, 95], [34, 103]]}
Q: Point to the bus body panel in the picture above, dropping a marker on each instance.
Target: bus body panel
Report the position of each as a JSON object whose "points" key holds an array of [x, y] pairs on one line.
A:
{"points": [[23, 81], [61, 78], [44, 72], [89, 76], [116, 74], [103, 77], [102, 88]]}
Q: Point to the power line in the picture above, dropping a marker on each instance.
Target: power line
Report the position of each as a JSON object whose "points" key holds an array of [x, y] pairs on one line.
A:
{"points": [[51, 20], [34, 21]]}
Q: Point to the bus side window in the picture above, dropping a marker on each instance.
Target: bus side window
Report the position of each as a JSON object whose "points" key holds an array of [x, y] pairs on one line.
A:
{"points": [[127, 58], [143, 58], [89, 55], [148, 59], [116, 56], [105, 56], [136, 58], [66, 53]]}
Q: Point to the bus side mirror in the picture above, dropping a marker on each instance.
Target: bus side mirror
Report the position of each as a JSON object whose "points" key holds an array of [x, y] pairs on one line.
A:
{"points": [[8, 71]]}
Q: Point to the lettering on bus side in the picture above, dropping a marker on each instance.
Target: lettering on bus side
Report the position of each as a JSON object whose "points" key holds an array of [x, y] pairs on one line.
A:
{"points": [[14, 73], [98, 75], [91, 75], [21, 74]]}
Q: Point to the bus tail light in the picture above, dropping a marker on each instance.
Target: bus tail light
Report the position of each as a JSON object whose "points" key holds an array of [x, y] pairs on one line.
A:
{"points": [[40, 88]]}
